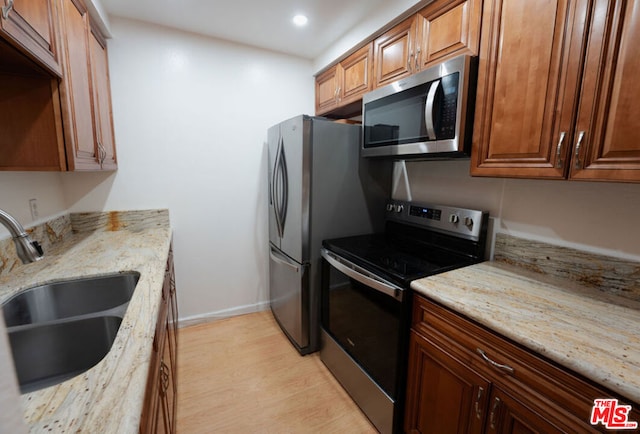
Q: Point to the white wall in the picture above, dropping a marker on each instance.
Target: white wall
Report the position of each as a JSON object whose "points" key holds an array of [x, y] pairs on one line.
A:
{"points": [[16, 188], [593, 216], [191, 115], [379, 17]]}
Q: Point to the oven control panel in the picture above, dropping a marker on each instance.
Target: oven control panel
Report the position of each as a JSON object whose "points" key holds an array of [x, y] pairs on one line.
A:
{"points": [[461, 222]]}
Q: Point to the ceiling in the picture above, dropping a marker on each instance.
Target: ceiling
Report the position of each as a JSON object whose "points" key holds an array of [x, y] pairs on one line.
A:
{"points": [[261, 23]]}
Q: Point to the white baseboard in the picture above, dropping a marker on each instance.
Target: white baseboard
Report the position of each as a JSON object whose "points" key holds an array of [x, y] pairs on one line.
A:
{"points": [[221, 314]]}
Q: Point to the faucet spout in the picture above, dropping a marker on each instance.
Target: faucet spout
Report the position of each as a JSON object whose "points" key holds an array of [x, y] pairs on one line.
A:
{"points": [[28, 250]]}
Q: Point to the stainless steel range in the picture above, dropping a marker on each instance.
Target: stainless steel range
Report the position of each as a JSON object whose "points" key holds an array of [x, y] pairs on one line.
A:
{"points": [[366, 298]]}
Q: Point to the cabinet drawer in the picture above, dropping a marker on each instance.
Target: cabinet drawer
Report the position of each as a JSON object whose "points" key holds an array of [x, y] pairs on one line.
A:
{"points": [[510, 365]]}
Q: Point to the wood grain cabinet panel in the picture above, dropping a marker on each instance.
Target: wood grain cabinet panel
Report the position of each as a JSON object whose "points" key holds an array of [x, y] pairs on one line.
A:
{"points": [[160, 404], [450, 28], [86, 100], [340, 88], [608, 118], [32, 27], [394, 52], [556, 97], [356, 75], [507, 389], [327, 89], [101, 87], [526, 88]]}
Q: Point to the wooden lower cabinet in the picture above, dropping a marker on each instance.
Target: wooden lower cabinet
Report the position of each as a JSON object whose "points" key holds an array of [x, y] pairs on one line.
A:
{"points": [[159, 412], [463, 378]]}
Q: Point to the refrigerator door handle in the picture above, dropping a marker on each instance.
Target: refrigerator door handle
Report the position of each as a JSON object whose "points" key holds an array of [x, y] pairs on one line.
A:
{"points": [[281, 259], [281, 188], [276, 190]]}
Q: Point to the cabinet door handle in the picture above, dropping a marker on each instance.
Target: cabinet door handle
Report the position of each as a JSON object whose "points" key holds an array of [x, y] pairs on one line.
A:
{"points": [[477, 405], [494, 410], [6, 9], [559, 151], [409, 61], [499, 366], [578, 164]]}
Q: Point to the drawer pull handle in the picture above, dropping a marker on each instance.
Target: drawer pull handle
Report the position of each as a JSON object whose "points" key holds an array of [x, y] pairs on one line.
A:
{"points": [[499, 366], [578, 164], [559, 161], [494, 410], [7, 8], [478, 398]]}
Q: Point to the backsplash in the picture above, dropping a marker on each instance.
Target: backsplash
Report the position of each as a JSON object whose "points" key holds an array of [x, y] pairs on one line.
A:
{"points": [[607, 274], [56, 230]]}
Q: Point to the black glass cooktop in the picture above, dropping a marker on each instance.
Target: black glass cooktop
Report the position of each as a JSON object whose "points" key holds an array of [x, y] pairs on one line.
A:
{"points": [[397, 258]]}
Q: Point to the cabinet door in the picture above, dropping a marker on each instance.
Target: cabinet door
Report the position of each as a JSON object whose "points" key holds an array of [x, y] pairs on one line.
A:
{"points": [[449, 29], [607, 137], [77, 106], [443, 395], [30, 25], [356, 75], [327, 89], [527, 87], [102, 102], [394, 52], [508, 415]]}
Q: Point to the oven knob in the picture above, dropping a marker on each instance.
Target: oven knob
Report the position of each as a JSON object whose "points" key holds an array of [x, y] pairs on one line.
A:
{"points": [[453, 218], [468, 221], [399, 208], [390, 207]]}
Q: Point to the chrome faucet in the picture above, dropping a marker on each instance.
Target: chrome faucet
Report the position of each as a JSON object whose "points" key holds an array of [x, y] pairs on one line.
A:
{"points": [[28, 250]]}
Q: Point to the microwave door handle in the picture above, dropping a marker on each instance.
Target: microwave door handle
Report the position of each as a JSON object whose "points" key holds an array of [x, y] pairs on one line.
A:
{"points": [[353, 271], [428, 110]]}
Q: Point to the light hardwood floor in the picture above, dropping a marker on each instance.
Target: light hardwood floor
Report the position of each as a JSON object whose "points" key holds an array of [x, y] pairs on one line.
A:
{"points": [[241, 375]]}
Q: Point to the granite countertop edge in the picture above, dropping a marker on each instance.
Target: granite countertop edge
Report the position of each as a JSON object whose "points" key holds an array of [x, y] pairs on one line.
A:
{"points": [[108, 397], [594, 334]]}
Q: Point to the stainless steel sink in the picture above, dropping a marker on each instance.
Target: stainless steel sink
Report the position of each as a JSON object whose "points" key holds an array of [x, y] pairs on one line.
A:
{"points": [[62, 329], [69, 298], [49, 354]]}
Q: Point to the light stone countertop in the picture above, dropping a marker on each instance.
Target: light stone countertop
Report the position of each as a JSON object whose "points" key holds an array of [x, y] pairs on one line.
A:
{"points": [[588, 331], [108, 398]]}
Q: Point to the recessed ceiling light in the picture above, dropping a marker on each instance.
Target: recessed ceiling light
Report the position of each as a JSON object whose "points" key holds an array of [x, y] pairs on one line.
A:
{"points": [[300, 20]]}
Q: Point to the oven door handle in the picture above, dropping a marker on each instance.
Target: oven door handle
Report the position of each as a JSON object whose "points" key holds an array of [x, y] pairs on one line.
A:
{"points": [[361, 275]]}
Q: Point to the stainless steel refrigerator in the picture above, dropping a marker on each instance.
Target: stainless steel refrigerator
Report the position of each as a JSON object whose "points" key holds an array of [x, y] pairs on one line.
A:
{"points": [[318, 189]]}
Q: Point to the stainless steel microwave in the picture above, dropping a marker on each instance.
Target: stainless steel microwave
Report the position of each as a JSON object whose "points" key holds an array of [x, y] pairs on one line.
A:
{"points": [[427, 115]]}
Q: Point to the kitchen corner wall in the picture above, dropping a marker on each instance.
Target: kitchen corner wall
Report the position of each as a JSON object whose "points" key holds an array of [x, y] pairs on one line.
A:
{"points": [[191, 115], [594, 217]]}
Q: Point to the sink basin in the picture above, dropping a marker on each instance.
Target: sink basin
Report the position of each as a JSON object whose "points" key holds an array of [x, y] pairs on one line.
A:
{"points": [[62, 329], [50, 354], [69, 298]]}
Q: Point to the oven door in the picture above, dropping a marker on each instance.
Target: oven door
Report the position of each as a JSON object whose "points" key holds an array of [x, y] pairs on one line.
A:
{"points": [[365, 317]]}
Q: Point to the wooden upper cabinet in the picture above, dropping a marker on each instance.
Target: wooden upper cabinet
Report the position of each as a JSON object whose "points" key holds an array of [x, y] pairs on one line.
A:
{"points": [[31, 27], [356, 75], [344, 84], [327, 90], [556, 91], [449, 28], [608, 118], [394, 52], [102, 101], [526, 88], [86, 103]]}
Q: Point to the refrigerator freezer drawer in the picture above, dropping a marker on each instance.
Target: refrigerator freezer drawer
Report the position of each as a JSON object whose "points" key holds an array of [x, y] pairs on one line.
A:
{"points": [[289, 295]]}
